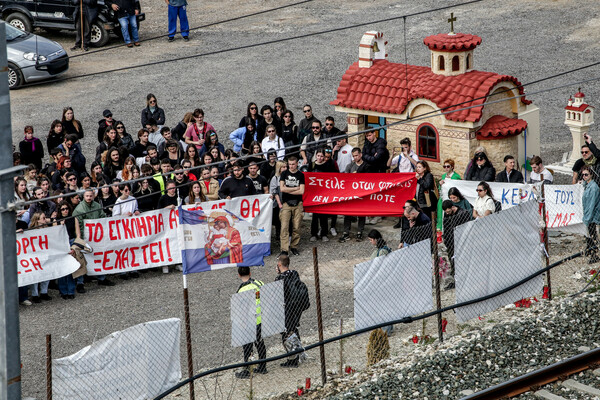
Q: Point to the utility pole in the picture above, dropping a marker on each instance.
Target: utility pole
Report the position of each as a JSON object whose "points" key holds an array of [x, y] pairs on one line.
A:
{"points": [[10, 350]]}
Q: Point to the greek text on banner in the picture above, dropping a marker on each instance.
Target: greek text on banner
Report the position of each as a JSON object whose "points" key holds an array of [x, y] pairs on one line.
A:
{"points": [[43, 255], [358, 194]]}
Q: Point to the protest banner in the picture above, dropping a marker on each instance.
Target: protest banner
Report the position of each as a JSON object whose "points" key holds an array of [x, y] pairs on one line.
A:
{"points": [[564, 208], [123, 244], [139, 362], [505, 193], [226, 233], [43, 255], [358, 194]]}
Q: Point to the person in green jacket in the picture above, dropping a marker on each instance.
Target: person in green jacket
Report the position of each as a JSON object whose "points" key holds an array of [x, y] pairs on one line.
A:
{"points": [[89, 209], [449, 174]]}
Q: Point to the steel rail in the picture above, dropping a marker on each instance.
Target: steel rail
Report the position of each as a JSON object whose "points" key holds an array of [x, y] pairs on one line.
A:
{"points": [[532, 381]]}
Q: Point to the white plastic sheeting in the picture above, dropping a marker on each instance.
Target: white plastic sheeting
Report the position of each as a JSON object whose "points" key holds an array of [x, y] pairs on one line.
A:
{"points": [[394, 286], [137, 363], [494, 252], [243, 313]]}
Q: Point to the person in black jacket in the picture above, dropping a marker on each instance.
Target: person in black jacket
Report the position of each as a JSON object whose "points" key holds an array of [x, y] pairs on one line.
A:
{"points": [[31, 149], [481, 169], [453, 216], [236, 185], [89, 14], [105, 123], [426, 195], [152, 111], [509, 174], [375, 152], [416, 226], [126, 11]]}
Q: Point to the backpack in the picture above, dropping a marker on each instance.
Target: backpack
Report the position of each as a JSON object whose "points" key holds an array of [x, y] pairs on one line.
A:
{"points": [[497, 206], [298, 294]]}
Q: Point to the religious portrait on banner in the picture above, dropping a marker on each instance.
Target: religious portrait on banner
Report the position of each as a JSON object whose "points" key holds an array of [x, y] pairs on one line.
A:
{"points": [[223, 241]]}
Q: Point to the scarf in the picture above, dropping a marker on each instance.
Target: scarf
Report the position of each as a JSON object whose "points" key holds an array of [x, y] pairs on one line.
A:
{"points": [[590, 161], [33, 139]]}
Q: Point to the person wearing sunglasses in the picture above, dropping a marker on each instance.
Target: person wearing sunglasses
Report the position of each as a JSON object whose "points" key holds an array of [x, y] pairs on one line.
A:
{"points": [[273, 142], [484, 204], [591, 211], [311, 143], [590, 156], [125, 138], [449, 173], [251, 115], [152, 110], [481, 169], [330, 128], [304, 127]]}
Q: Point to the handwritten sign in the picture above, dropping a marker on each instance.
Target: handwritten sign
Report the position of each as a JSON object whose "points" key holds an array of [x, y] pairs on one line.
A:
{"points": [[43, 255]]}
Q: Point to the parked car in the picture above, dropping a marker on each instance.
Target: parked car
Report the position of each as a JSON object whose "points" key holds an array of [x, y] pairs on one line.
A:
{"points": [[32, 58], [58, 14]]}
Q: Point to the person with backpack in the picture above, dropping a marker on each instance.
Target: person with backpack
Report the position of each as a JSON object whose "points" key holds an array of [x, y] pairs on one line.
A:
{"points": [[248, 283], [295, 294], [485, 204]]}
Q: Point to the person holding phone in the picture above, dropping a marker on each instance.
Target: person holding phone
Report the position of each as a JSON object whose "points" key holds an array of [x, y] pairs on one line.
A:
{"points": [[590, 156]]}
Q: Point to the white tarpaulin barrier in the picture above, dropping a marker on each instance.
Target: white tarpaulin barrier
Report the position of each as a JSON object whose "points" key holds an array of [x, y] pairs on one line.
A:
{"points": [[493, 253], [43, 255], [394, 286], [243, 313], [137, 363], [564, 209]]}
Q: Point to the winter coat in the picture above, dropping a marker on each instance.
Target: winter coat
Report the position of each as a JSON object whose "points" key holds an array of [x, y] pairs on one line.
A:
{"points": [[591, 203], [376, 154]]}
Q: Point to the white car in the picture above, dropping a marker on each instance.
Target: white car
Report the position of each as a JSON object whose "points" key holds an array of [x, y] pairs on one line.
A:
{"points": [[32, 58]]}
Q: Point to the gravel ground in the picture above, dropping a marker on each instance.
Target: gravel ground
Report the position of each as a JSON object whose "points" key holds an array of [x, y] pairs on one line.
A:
{"points": [[527, 39]]}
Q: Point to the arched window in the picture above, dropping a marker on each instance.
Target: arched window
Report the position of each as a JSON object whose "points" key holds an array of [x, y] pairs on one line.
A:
{"points": [[469, 61], [568, 114], [427, 142], [455, 63], [441, 63]]}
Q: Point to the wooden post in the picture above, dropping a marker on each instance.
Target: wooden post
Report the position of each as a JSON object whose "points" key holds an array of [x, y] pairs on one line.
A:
{"points": [[545, 233], [341, 348], [436, 276], [48, 367], [319, 315], [188, 335]]}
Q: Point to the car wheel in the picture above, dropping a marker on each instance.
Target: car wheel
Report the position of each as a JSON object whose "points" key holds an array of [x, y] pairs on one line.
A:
{"points": [[15, 77], [99, 35], [19, 21]]}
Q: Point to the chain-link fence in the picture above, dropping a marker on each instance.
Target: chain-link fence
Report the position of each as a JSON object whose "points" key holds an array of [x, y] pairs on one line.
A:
{"points": [[366, 274]]}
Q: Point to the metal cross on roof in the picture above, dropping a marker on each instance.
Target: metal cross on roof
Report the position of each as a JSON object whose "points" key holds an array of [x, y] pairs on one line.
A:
{"points": [[451, 20]]}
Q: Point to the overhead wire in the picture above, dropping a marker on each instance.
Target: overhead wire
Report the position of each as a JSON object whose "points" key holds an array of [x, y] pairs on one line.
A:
{"points": [[252, 45]]}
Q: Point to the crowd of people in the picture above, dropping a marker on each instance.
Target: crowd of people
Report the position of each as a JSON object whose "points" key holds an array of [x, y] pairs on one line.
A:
{"points": [[187, 163]]}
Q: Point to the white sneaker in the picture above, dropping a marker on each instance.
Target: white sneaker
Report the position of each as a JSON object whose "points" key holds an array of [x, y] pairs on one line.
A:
{"points": [[26, 303], [313, 238], [375, 220], [368, 221], [165, 270], [333, 232], [325, 239]]}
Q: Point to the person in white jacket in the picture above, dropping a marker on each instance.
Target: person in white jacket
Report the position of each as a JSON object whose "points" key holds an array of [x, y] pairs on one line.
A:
{"points": [[272, 141]]}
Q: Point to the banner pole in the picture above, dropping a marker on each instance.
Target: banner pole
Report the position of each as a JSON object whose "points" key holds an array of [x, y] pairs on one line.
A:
{"points": [[188, 335], [436, 277], [545, 233], [48, 367], [319, 315]]}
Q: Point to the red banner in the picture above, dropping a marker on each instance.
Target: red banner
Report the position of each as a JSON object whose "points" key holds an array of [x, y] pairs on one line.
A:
{"points": [[358, 194]]}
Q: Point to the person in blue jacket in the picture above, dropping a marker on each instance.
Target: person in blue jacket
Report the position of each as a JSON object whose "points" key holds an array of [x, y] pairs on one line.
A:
{"points": [[591, 212], [242, 137]]}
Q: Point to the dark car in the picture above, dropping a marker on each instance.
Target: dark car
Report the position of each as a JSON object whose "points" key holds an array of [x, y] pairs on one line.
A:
{"points": [[58, 14]]}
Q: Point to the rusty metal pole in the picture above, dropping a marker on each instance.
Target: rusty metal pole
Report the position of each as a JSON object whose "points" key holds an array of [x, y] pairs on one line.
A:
{"points": [[341, 348], [319, 315], [545, 233], [48, 367], [436, 276], [188, 336]]}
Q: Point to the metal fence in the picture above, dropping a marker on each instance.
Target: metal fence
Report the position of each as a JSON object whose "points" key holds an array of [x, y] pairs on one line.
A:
{"points": [[236, 318]]}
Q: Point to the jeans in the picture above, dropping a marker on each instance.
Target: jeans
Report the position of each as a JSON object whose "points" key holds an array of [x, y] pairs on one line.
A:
{"points": [[319, 220], [43, 288], [66, 285], [348, 224], [294, 215], [260, 348], [126, 22], [87, 32], [180, 12]]}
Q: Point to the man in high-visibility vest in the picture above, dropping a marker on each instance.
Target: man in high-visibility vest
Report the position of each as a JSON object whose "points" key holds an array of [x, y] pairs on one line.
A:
{"points": [[252, 284]]}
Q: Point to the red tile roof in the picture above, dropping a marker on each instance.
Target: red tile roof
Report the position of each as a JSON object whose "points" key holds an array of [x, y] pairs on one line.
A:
{"points": [[456, 42], [579, 94], [499, 126], [383, 88], [581, 107]]}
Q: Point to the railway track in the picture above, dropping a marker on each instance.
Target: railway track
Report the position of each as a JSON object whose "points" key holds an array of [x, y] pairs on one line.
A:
{"points": [[533, 383]]}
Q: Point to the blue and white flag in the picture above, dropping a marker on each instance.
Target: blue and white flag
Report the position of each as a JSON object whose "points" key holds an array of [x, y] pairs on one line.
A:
{"points": [[225, 233]]}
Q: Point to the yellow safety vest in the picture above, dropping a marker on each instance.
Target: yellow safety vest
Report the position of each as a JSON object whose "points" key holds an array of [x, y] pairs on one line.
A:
{"points": [[254, 285]]}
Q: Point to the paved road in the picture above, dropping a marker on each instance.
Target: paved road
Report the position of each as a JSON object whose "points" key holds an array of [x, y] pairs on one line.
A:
{"points": [[527, 39]]}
